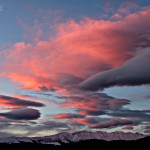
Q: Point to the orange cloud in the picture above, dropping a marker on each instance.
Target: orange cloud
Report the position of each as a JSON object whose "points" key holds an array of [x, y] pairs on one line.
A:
{"points": [[84, 121]]}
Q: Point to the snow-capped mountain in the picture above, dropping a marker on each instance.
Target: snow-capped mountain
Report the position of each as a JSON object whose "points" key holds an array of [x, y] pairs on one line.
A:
{"points": [[65, 137]]}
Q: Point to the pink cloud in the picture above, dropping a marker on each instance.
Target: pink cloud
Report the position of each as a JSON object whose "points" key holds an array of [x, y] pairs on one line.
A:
{"points": [[32, 98], [9, 102], [116, 16], [79, 50], [95, 104], [128, 7], [92, 104], [67, 116], [83, 121]]}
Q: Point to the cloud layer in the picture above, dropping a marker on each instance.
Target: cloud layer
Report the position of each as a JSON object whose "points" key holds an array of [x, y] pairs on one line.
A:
{"points": [[134, 72], [78, 51], [22, 114], [7, 102], [113, 123], [80, 59]]}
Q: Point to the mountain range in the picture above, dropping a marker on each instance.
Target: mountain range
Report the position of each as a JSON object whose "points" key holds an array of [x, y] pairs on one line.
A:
{"points": [[65, 137]]}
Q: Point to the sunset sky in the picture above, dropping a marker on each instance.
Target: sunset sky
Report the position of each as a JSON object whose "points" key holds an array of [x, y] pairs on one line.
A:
{"points": [[72, 65]]}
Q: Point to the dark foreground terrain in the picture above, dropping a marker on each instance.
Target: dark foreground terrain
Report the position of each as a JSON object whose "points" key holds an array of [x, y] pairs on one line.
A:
{"points": [[141, 144]]}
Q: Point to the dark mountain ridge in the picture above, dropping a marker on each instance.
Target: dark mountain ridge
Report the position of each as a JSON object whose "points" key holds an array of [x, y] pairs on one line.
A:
{"points": [[140, 144], [66, 137]]}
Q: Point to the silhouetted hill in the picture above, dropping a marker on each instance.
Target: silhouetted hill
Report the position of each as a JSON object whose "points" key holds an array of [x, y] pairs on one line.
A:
{"points": [[141, 144]]}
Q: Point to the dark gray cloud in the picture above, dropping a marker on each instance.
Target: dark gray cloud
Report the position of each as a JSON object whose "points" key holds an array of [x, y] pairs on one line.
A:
{"points": [[134, 72], [8, 125], [93, 112], [43, 88], [29, 128], [99, 95], [12, 101], [147, 97], [113, 123], [54, 124], [68, 79], [147, 131], [22, 114], [138, 115], [94, 120], [47, 126], [9, 121], [64, 80]]}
